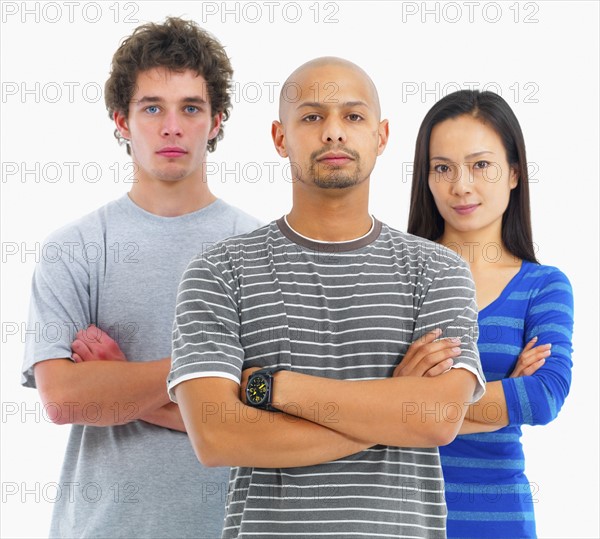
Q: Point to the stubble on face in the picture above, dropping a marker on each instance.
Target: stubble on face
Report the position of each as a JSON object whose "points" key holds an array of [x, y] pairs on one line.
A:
{"points": [[316, 172], [170, 174], [333, 176]]}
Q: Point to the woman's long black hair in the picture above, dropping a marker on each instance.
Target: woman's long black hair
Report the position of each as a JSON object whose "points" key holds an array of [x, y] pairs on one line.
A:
{"points": [[424, 218]]}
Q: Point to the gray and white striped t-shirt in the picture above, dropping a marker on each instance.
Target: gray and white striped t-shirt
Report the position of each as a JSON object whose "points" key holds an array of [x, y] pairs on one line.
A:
{"points": [[345, 310]]}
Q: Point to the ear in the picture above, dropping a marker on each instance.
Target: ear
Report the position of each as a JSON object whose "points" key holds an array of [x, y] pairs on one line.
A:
{"points": [[279, 138], [513, 181], [383, 133], [121, 123], [216, 125]]}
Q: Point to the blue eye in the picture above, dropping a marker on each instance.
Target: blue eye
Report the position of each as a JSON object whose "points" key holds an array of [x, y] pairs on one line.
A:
{"points": [[191, 109], [152, 109]]}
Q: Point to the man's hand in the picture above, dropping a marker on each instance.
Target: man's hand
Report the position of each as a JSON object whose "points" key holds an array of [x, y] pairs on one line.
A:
{"points": [[531, 359], [428, 357], [244, 382], [93, 344]]}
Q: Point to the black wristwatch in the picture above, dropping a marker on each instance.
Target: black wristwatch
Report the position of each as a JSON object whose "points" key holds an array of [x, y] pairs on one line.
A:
{"points": [[259, 390]]}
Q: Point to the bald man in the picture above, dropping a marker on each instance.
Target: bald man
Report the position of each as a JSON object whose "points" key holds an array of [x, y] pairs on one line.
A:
{"points": [[286, 340]]}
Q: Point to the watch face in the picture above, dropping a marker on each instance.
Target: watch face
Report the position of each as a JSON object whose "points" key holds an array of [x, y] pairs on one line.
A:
{"points": [[256, 390]]}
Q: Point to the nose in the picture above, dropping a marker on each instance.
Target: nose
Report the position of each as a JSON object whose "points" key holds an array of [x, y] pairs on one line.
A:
{"points": [[463, 183], [333, 131], [171, 125]]}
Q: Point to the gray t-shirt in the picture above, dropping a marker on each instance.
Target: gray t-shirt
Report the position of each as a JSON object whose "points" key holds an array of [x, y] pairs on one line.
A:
{"points": [[119, 268], [339, 310]]}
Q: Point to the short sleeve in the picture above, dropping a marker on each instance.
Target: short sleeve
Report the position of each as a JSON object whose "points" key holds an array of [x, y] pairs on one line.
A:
{"points": [[206, 330], [449, 304], [60, 304]]}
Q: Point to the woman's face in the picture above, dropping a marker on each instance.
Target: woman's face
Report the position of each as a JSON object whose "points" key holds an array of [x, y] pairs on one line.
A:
{"points": [[469, 175]]}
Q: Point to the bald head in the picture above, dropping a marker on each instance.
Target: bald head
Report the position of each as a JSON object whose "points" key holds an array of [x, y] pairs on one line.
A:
{"points": [[320, 79]]}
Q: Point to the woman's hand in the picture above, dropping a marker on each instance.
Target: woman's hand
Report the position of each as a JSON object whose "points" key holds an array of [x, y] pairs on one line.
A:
{"points": [[428, 357], [531, 359]]}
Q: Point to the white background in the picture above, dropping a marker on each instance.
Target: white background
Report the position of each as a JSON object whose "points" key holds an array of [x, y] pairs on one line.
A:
{"points": [[546, 68]]}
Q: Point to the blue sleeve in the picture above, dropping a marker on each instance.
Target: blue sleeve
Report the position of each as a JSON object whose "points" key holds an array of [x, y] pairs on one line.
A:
{"points": [[537, 399]]}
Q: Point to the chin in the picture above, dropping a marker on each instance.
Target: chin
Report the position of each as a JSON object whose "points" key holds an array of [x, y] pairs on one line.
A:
{"points": [[337, 182], [336, 185], [171, 176]]}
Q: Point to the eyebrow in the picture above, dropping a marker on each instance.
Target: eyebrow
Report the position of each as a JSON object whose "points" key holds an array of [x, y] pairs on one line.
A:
{"points": [[196, 99], [318, 105], [471, 155]]}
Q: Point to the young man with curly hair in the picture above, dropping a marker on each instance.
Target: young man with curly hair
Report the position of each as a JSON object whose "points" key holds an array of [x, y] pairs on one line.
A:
{"points": [[128, 461]]}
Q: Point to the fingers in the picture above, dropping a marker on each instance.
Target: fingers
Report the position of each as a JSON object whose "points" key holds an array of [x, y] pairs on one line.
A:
{"points": [[428, 337], [533, 367], [529, 357], [530, 360], [80, 348], [439, 361], [422, 341], [427, 356], [529, 345], [92, 334], [440, 368], [95, 344], [77, 358]]}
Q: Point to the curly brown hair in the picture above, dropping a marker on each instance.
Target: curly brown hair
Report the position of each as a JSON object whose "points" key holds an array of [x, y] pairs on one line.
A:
{"points": [[177, 45]]}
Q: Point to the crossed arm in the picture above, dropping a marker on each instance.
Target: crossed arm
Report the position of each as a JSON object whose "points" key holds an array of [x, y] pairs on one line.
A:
{"points": [[327, 419], [429, 358], [226, 432], [101, 388]]}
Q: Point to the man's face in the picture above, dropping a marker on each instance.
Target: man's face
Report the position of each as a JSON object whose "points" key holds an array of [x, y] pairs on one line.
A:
{"points": [[169, 125], [330, 127]]}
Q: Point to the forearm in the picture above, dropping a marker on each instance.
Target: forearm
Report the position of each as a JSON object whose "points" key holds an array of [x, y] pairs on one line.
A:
{"points": [[167, 416], [226, 432], [102, 393], [408, 411], [488, 414]]}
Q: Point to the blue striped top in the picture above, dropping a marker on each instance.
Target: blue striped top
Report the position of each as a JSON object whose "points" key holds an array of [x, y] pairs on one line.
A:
{"points": [[487, 492]]}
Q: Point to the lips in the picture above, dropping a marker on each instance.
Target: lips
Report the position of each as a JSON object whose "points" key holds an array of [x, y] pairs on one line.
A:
{"points": [[171, 151], [465, 209], [335, 158]]}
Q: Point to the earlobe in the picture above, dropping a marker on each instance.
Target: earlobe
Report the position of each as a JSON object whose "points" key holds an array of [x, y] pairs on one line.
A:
{"points": [[121, 123], [217, 120], [383, 134], [514, 178]]}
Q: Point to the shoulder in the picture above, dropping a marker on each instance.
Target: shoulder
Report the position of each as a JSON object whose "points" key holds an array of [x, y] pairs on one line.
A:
{"points": [[540, 279], [80, 234], [239, 221], [425, 253], [235, 250]]}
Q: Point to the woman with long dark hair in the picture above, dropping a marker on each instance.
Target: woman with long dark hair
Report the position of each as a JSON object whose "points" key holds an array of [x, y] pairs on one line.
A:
{"points": [[470, 193]]}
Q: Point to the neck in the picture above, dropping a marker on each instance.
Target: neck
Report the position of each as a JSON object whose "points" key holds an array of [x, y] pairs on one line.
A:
{"points": [[480, 248], [331, 214], [171, 198]]}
